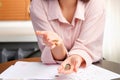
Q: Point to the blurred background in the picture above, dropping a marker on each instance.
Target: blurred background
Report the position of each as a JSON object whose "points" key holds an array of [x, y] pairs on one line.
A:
{"points": [[111, 45], [18, 40], [17, 37]]}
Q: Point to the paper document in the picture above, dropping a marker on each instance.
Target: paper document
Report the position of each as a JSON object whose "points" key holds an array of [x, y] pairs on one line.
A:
{"points": [[36, 70]]}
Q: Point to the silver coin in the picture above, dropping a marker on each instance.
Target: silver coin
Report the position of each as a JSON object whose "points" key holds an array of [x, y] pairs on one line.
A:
{"points": [[67, 67]]}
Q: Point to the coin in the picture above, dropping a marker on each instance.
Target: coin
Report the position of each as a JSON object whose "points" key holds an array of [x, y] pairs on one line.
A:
{"points": [[67, 67], [56, 42], [56, 75]]}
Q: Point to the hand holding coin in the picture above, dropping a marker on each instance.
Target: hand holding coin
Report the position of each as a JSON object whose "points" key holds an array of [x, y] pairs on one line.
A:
{"points": [[70, 65], [50, 39]]}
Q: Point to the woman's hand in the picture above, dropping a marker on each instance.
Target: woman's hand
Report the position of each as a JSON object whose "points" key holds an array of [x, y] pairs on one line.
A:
{"points": [[51, 39], [56, 44], [70, 65]]}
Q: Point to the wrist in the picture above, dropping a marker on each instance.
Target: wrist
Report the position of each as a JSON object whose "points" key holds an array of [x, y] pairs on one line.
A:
{"points": [[59, 52]]}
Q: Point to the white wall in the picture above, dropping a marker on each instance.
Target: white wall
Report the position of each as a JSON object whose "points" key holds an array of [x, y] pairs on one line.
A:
{"points": [[17, 31], [111, 47]]}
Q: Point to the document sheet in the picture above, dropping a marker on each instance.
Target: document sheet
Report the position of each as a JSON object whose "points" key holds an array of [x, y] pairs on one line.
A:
{"points": [[36, 70]]}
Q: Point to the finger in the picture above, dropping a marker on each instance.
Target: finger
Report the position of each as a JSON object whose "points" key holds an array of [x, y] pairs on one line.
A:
{"points": [[50, 44], [43, 33], [46, 39], [60, 68], [77, 65], [40, 32], [68, 71]]}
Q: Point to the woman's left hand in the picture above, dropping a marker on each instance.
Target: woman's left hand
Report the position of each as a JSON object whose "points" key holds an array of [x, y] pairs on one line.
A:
{"points": [[70, 65]]}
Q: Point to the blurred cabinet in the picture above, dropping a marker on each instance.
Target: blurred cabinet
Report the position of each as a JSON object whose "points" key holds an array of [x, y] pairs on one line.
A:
{"points": [[18, 50], [14, 9]]}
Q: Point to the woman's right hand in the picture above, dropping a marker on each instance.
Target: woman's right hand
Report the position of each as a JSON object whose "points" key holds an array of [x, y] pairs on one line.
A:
{"points": [[51, 39]]}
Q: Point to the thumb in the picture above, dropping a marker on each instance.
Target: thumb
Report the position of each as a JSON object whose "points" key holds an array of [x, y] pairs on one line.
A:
{"points": [[77, 65]]}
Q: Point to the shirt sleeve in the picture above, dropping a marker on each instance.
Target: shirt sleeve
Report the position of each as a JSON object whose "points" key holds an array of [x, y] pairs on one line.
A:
{"points": [[89, 43], [40, 22]]}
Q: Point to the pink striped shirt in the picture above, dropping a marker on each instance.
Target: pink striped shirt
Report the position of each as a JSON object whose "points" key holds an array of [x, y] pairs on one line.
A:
{"points": [[83, 36]]}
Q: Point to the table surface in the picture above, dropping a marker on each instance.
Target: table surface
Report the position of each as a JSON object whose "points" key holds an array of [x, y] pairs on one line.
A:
{"points": [[112, 66]]}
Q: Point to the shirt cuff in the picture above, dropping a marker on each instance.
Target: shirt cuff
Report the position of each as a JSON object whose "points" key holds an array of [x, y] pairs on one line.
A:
{"points": [[84, 55], [46, 56]]}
